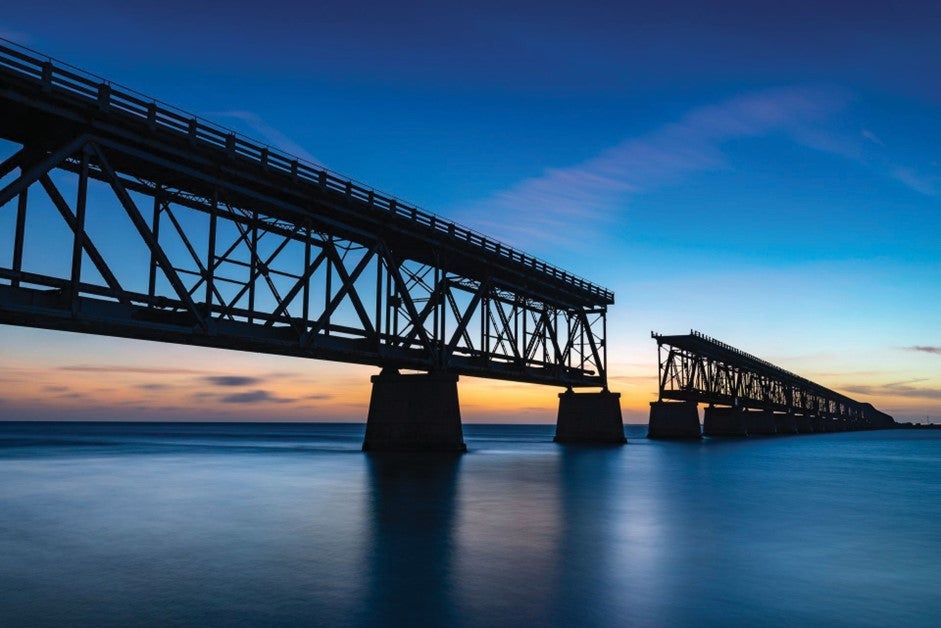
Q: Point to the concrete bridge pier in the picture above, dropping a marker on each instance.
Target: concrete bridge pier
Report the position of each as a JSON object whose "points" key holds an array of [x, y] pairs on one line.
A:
{"points": [[676, 419], [822, 424], [721, 421], [593, 417], [761, 423], [414, 413]]}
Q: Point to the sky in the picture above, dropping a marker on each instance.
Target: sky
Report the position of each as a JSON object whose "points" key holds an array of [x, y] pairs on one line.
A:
{"points": [[768, 173]]}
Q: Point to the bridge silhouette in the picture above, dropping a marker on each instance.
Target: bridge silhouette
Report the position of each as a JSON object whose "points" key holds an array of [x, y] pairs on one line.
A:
{"points": [[746, 395], [184, 231]]}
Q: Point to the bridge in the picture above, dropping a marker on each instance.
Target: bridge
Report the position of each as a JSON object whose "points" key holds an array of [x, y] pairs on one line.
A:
{"points": [[129, 217], [746, 395]]}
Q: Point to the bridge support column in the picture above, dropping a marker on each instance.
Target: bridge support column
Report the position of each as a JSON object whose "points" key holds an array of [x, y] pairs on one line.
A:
{"points": [[589, 418], [822, 424], [676, 419], [414, 413], [724, 422], [761, 422], [786, 423]]}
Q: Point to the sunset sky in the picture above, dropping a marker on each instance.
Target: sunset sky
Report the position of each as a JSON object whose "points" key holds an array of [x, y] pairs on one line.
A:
{"points": [[768, 173]]}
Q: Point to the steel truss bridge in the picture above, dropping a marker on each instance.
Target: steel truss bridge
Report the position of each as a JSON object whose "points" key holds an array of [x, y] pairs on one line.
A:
{"points": [[122, 216], [700, 369]]}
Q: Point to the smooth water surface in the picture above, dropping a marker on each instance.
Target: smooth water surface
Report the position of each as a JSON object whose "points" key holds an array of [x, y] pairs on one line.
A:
{"points": [[250, 525]]}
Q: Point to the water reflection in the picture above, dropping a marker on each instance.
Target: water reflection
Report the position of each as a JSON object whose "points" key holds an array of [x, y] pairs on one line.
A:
{"points": [[409, 562], [265, 527], [588, 537], [507, 561]]}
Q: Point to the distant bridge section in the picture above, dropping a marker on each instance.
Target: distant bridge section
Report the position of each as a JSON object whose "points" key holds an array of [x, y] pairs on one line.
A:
{"points": [[745, 394]]}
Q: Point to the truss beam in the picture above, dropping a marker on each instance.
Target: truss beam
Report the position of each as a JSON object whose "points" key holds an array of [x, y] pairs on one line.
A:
{"points": [[249, 248]]}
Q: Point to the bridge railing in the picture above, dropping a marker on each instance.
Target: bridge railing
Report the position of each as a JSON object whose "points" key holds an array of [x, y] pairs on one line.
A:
{"points": [[55, 75]]}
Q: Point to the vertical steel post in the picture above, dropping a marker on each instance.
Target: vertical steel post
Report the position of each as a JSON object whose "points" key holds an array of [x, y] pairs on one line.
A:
{"points": [[20, 236], [660, 367], [305, 307], [390, 313], [441, 312], [525, 314], [253, 269], [155, 228], [378, 324], [80, 203], [328, 284], [604, 345], [435, 334], [484, 323], [211, 253]]}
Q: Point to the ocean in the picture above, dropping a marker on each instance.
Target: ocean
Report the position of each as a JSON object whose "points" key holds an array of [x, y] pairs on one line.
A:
{"points": [[159, 524]]}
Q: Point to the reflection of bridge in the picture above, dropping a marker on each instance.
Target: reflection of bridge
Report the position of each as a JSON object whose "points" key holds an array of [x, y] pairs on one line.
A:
{"points": [[245, 247], [746, 395]]}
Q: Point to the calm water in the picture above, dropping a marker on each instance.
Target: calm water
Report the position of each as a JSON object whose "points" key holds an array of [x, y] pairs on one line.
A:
{"points": [[159, 524]]}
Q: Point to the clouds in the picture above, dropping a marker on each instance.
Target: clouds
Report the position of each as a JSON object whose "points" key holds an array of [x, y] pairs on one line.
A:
{"points": [[596, 191], [566, 206], [897, 389], [911, 178], [231, 380], [872, 137], [187, 392], [259, 395], [268, 133], [925, 349], [121, 368], [254, 396]]}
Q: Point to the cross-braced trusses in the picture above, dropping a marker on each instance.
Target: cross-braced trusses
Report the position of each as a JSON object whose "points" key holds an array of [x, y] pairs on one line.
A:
{"points": [[698, 368], [114, 227]]}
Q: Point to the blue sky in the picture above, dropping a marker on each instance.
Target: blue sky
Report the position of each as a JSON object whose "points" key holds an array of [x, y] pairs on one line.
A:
{"points": [[768, 173]]}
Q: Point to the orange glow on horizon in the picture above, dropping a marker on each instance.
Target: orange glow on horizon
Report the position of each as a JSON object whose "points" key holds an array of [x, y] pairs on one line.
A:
{"points": [[114, 379]]}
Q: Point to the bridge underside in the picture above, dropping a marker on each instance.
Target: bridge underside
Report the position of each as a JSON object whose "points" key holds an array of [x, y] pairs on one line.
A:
{"points": [[745, 395], [122, 217]]}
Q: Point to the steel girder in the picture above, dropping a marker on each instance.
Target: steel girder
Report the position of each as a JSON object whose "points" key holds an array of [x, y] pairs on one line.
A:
{"points": [[199, 265], [697, 368]]}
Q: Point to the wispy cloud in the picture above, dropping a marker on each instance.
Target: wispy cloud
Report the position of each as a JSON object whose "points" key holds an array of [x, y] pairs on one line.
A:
{"points": [[268, 133], [925, 184], [255, 396], [152, 386], [896, 389], [872, 137], [117, 368], [591, 195], [925, 349], [595, 191], [232, 380]]}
